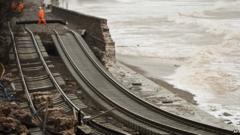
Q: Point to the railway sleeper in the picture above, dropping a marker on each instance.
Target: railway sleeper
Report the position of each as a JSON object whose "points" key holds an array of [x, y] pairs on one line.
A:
{"points": [[38, 77], [32, 69], [27, 57], [35, 63], [39, 85], [27, 50]]}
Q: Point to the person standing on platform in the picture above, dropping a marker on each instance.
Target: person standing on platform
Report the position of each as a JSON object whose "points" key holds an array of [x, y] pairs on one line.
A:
{"points": [[41, 15]]}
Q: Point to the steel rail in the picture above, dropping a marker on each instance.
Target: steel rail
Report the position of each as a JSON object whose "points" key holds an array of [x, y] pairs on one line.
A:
{"points": [[91, 122], [63, 94], [138, 117], [104, 129], [104, 72], [3, 70], [26, 90], [24, 84], [54, 81]]}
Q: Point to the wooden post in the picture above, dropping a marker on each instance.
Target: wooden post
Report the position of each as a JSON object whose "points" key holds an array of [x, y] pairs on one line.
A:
{"points": [[74, 113], [45, 118]]}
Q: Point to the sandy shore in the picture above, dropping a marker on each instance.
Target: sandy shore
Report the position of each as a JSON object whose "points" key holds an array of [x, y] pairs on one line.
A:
{"points": [[158, 71], [152, 66], [181, 93]]}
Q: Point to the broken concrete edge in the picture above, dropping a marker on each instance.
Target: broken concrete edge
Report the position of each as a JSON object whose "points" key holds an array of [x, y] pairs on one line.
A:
{"points": [[97, 36]]}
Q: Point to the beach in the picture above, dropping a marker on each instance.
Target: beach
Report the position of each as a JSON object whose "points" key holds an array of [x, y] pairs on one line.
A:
{"points": [[143, 65]]}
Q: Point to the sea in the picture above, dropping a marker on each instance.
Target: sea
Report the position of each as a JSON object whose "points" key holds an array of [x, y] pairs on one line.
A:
{"points": [[200, 37]]}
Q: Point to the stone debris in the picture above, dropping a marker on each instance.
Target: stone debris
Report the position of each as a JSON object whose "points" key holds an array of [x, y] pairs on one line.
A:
{"points": [[137, 84], [162, 97], [227, 114], [41, 98], [14, 119], [228, 122], [167, 101], [11, 125], [57, 120], [60, 122]]}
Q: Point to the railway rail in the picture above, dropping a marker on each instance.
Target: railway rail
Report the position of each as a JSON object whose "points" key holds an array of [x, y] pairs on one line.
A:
{"points": [[101, 86], [24, 84], [38, 82]]}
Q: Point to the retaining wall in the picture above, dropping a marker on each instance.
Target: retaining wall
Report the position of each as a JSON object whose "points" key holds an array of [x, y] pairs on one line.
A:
{"points": [[97, 33]]}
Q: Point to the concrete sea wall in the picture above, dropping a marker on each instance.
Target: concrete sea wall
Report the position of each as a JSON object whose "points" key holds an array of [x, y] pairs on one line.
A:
{"points": [[97, 33]]}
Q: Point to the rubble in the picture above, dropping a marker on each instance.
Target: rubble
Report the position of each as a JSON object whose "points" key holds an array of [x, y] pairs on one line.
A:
{"points": [[227, 114], [60, 122], [15, 119], [57, 121]]}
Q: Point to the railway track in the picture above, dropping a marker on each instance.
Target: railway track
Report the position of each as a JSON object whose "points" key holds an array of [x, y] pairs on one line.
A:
{"points": [[42, 87], [101, 86], [28, 102]]}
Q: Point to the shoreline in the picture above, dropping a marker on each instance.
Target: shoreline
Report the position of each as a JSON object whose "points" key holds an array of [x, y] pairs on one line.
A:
{"points": [[189, 97], [154, 93]]}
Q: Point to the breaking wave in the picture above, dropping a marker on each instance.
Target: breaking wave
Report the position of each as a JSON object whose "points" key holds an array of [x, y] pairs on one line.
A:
{"points": [[212, 74]]}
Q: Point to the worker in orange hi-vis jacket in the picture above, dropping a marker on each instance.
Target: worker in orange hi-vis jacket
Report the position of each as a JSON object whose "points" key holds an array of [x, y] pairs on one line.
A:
{"points": [[41, 15], [20, 7]]}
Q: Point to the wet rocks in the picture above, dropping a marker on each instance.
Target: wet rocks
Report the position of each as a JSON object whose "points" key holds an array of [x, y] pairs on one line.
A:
{"points": [[59, 122], [167, 101], [227, 114], [14, 119], [228, 122], [136, 83]]}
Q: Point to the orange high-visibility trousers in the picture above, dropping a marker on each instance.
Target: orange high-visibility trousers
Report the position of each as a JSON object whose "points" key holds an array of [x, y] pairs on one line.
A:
{"points": [[41, 15], [42, 21]]}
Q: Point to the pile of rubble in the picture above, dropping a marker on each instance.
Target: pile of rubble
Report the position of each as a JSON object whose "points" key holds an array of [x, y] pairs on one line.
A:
{"points": [[57, 121], [14, 119]]}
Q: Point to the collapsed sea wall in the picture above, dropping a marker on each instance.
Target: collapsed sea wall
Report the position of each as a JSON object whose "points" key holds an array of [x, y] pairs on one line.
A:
{"points": [[97, 35]]}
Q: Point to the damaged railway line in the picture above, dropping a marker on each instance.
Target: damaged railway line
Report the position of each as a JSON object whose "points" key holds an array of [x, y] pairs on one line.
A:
{"points": [[48, 102], [102, 87], [41, 91]]}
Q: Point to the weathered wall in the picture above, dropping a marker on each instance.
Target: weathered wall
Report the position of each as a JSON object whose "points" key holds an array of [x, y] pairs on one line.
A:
{"points": [[98, 36], [5, 15], [4, 9]]}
